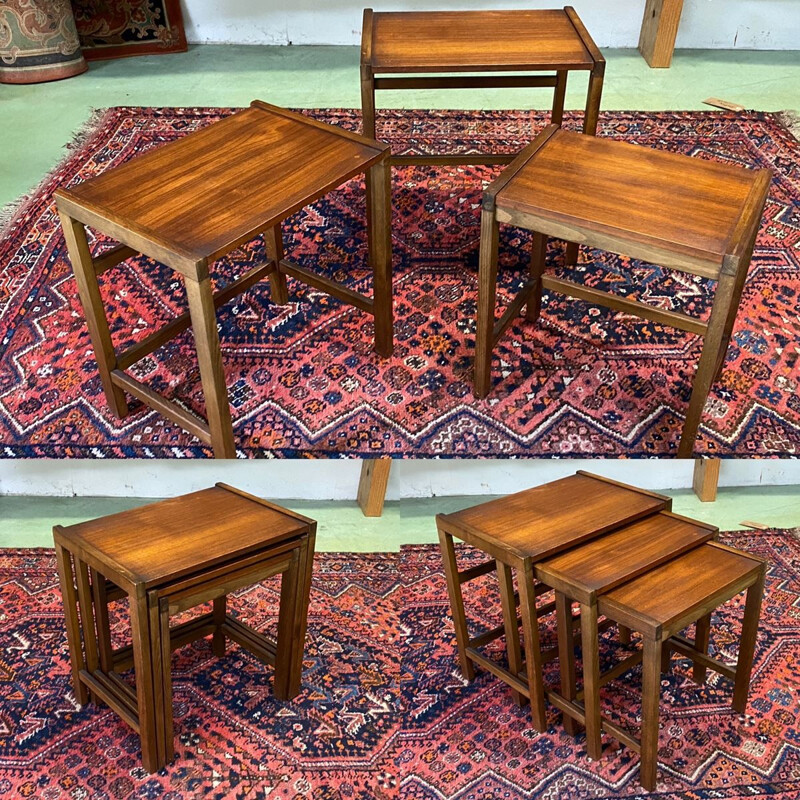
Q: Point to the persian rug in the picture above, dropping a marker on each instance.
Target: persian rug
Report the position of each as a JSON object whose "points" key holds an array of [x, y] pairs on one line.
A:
{"points": [[302, 378], [336, 740], [118, 28], [384, 712]]}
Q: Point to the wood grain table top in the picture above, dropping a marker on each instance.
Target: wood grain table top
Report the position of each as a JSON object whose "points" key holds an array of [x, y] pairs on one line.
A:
{"points": [[609, 561], [160, 542], [540, 522], [663, 598], [458, 41], [635, 197], [216, 188]]}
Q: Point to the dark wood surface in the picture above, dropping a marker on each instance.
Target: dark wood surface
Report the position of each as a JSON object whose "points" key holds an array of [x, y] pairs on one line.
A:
{"points": [[603, 564], [163, 541], [545, 520], [453, 41], [685, 588], [208, 192], [639, 196]]}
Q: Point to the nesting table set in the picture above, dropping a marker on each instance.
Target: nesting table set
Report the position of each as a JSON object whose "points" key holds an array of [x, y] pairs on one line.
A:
{"points": [[164, 559], [192, 201], [621, 554]]}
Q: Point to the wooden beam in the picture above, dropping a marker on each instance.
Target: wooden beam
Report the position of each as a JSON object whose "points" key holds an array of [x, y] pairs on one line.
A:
{"points": [[372, 486], [659, 30], [706, 479]]}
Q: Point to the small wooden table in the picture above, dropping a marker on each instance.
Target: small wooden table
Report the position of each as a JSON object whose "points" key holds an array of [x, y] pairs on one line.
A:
{"points": [[516, 532], [165, 558], [658, 605], [470, 43], [190, 202], [687, 214], [585, 573]]}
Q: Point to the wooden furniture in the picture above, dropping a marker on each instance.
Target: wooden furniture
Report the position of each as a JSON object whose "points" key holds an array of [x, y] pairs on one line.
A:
{"points": [[516, 532], [686, 214], [194, 200], [168, 557], [658, 605], [473, 47], [582, 574], [659, 30]]}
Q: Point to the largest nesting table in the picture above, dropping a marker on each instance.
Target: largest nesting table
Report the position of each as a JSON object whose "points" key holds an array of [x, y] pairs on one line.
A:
{"points": [[194, 200]]}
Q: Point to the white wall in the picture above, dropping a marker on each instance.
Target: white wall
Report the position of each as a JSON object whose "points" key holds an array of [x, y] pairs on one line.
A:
{"points": [[338, 480], [727, 24]]}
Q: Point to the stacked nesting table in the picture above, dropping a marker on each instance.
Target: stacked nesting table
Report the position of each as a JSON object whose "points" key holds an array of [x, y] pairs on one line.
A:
{"points": [[166, 558], [620, 553]]}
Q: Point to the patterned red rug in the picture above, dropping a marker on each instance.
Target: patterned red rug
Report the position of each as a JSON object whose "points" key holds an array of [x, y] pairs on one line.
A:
{"points": [[303, 380], [384, 712]]}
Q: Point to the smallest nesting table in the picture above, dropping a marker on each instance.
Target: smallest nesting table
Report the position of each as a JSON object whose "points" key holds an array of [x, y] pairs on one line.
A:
{"points": [[479, 49], [168, 557]]}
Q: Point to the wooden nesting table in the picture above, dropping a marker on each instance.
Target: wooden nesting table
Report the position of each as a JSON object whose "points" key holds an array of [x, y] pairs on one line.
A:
{"points": [[516, 532], [688, 214], [165, 558], [190, 202], [620, 553], [474, 47]]}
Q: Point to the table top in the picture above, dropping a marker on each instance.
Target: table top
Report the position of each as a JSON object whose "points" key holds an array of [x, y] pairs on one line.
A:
{"points": [[610, 560], [635, 200], [694, 583], [540, 522], [457, 41], [216, 188], [160, 542]]}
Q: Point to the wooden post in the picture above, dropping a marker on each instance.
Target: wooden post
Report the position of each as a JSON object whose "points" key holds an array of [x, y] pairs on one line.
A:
{"points": [[659, 30], [706, 479], [372, 486]]}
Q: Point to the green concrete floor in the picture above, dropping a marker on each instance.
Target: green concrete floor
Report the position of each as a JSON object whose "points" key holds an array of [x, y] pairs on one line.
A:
{"points": [[39, 120], [28, 521]]}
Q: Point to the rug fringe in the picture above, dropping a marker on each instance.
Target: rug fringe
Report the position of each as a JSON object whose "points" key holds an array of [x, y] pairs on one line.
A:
{"points": [[13, 211], [791, 121]]}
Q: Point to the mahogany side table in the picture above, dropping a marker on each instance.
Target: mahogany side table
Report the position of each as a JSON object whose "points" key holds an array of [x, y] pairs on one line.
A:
{"points": [[687, 214], [516, 532], [473, 47], [190, 202], [165, 558]]}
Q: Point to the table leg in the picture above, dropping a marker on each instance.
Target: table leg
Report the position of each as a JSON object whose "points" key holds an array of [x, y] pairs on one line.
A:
{"points": [[367, 101], [557, 117], [513, 648], [659, 31], [702, 631], [487, 294], [593, 95], [219, 609], [88, 625], [536, 270], [273, 245], [651, 691], [291, 585], [725, 299], [100, 601], [747, 644], [372, 485], [66, 578], [92, 302], [209, 357], [456, 603], [379, 232], [162, 656], [146, 695], [533, 652], [591, 678], [566, 656]]}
